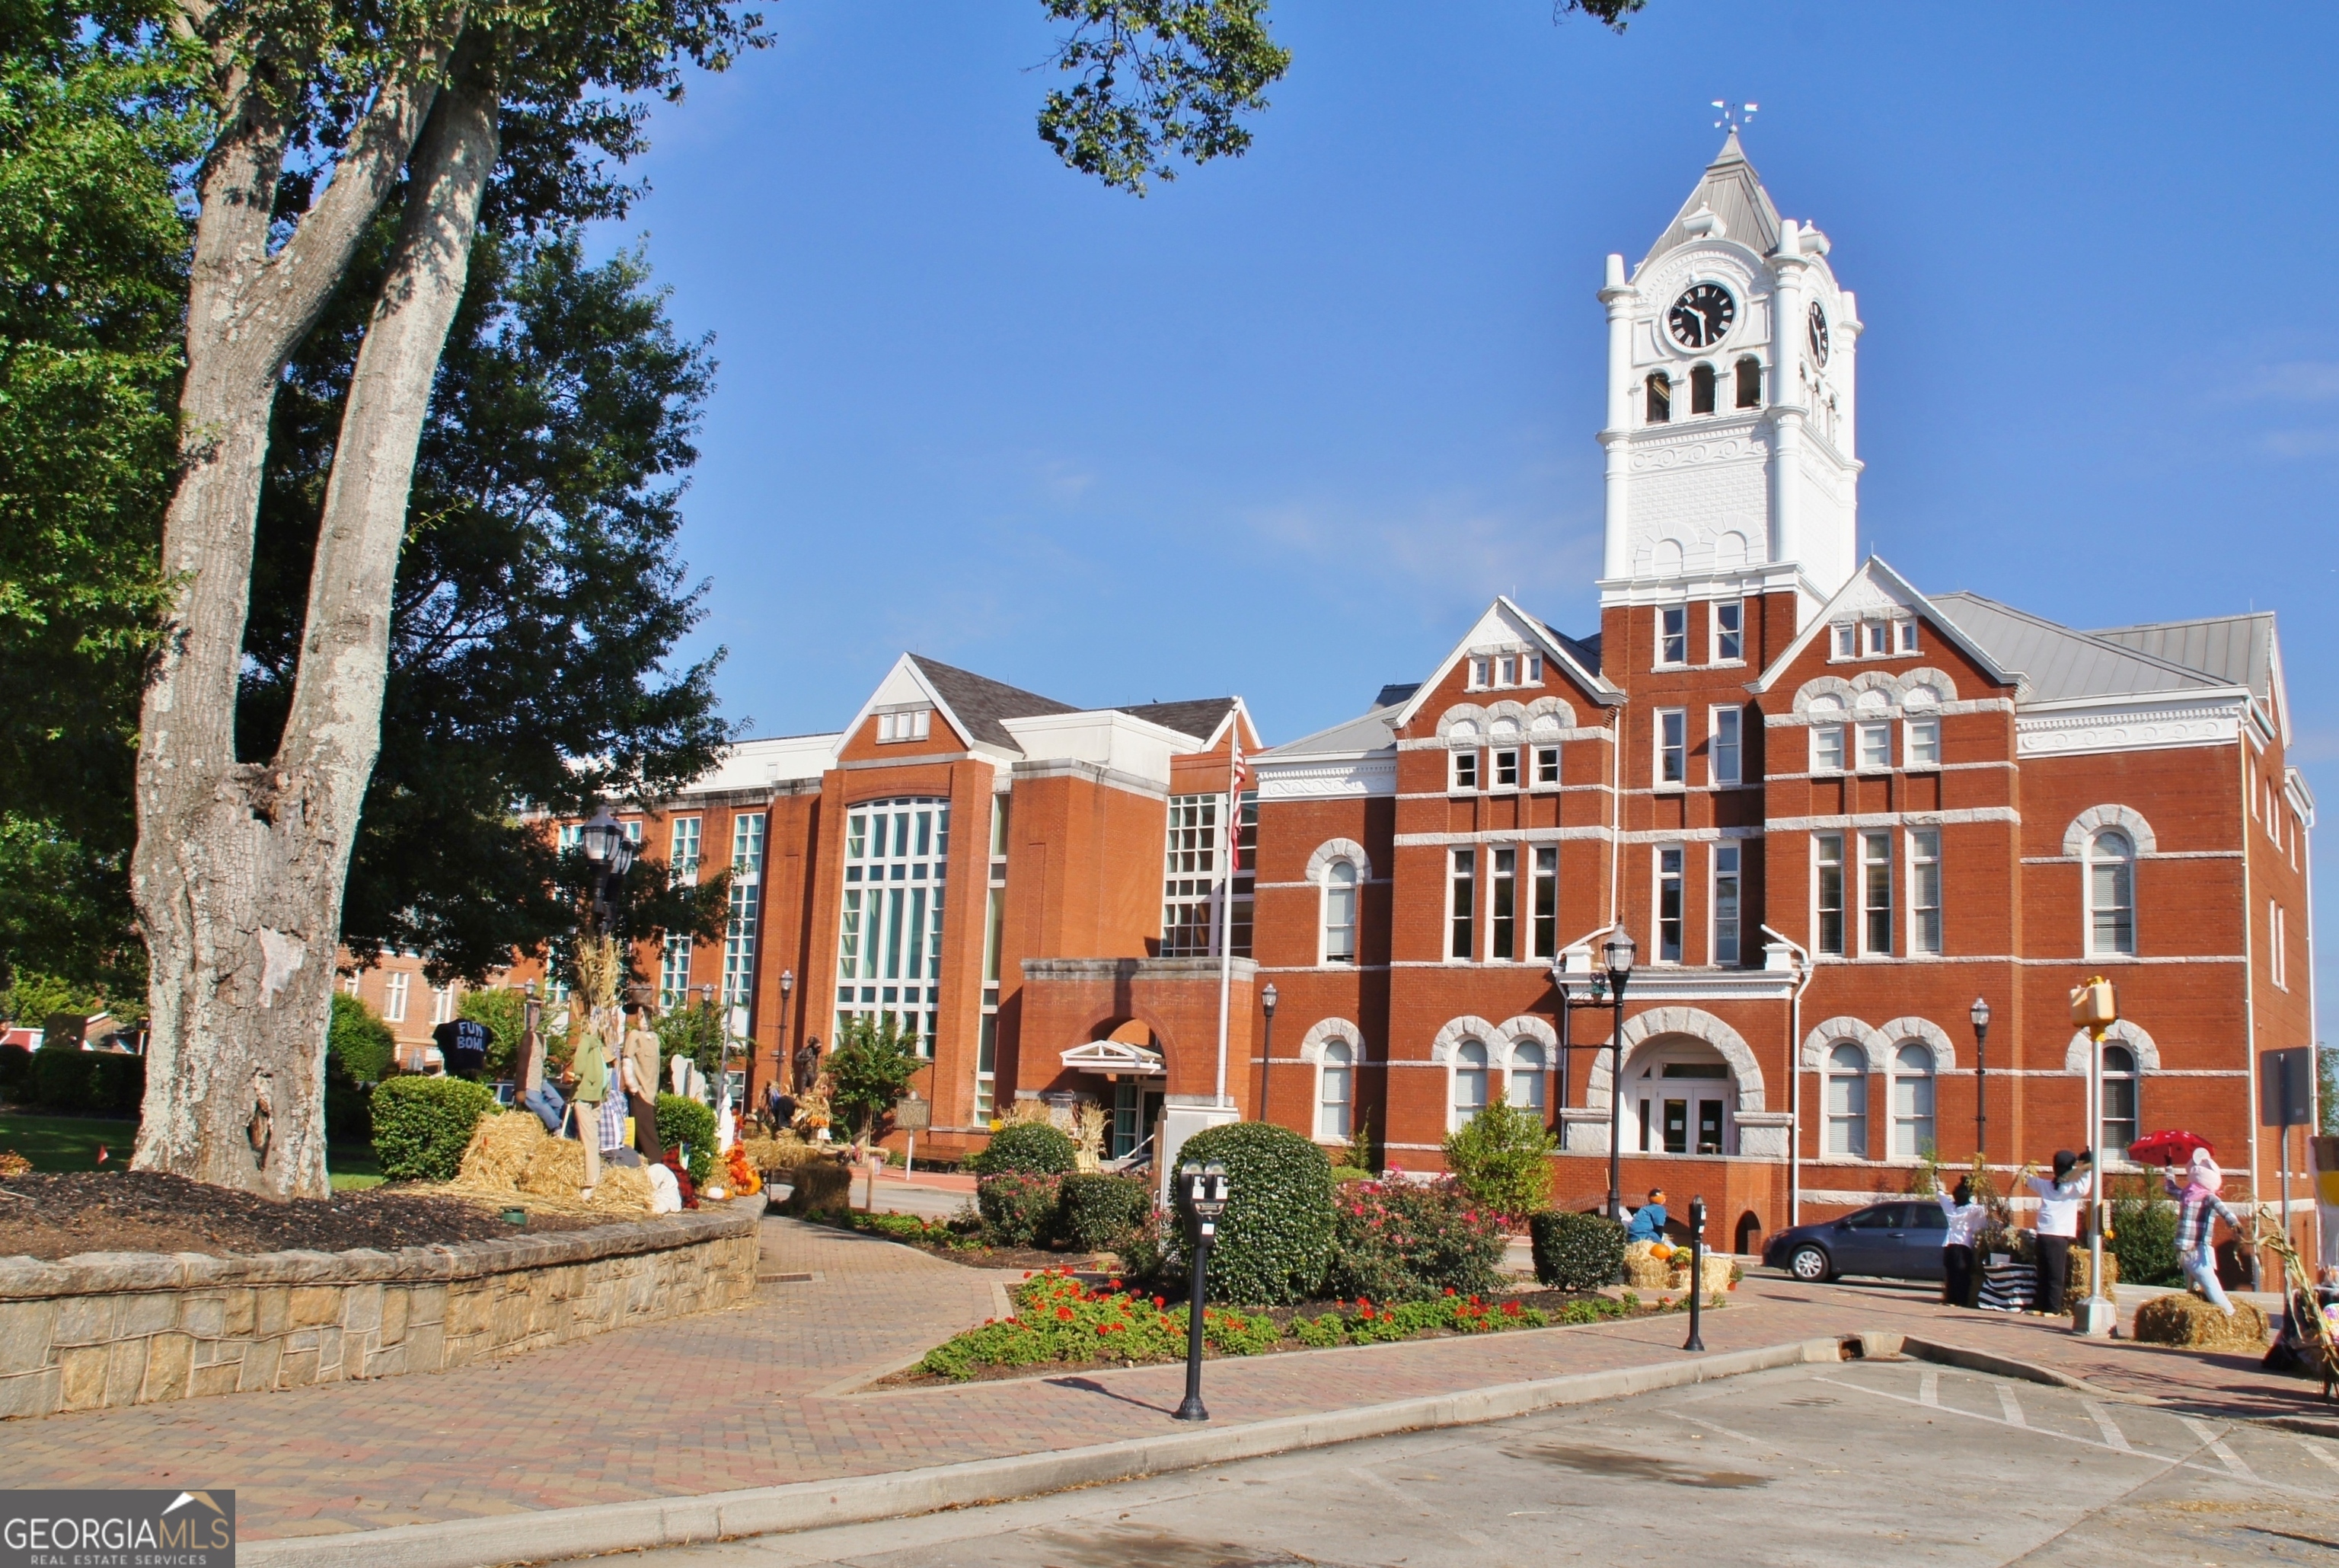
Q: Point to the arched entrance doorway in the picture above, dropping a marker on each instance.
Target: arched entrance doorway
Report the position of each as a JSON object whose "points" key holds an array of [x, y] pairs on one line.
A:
{"points": [[1681, 1097]]}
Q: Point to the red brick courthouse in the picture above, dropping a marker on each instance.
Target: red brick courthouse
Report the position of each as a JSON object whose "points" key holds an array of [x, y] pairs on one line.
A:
{"points": [[1832, 810]]}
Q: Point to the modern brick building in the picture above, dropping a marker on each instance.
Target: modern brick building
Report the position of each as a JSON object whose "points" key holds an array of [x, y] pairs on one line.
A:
{"points": [[1833, 811]]}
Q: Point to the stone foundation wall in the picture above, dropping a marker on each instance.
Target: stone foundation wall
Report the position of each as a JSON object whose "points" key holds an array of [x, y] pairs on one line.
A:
{"points": [[114, 1328]]}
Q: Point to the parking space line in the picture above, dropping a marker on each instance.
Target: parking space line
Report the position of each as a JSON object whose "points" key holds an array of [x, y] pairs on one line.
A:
{"points": [[2314, 1451], [2216, 1446], [1928, 1387], [2112, 1435], [2005, 1402], [1726, 1432]]}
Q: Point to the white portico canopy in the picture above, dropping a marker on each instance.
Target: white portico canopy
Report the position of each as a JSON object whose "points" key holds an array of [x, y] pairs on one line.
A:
{"points": [[1115, 1059]]}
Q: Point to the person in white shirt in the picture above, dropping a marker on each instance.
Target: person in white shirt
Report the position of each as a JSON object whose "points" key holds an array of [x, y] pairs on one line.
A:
{"points": [[1967, 1220], [2060, 1203]]}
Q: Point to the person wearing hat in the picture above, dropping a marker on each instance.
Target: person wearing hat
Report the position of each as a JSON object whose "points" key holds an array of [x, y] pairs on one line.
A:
{"points": [[1648, 1220], [2198, 1211], [2060, 1203]]}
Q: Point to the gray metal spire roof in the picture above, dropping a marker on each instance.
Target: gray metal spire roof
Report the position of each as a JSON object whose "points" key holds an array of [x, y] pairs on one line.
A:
{"points": [[2060, 664], [1734, 193], [2238, 650]]}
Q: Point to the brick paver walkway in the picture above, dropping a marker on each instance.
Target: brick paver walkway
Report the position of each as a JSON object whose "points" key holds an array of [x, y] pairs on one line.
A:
{"points": [[750, 1397]]}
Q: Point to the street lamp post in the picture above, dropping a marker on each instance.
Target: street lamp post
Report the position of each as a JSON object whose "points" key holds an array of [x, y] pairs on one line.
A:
{"points": [[1980, 1015], [787, 1074], [2095, 1007], [1206, 1194], [1617, 951], [1267, 1001], [609, 854]]}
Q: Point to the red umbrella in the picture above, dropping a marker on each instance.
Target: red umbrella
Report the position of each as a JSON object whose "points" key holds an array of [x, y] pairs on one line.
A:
{"points": [[2168, 1147]]}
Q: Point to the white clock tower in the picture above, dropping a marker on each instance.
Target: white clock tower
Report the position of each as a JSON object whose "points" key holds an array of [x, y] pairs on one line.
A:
{"points": [[1732, 459]]}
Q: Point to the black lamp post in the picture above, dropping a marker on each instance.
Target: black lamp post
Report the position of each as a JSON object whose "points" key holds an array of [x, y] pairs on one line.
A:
{"points": [[787, 1057], [1981, 1016], [1206, 1194], [1617, 952], [1267, 1001], [1567, 1002], [1696, 1270], [609, 852]]}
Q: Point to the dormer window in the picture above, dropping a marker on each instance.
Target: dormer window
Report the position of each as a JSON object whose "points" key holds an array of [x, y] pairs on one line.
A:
{"points": [[904, 724]]}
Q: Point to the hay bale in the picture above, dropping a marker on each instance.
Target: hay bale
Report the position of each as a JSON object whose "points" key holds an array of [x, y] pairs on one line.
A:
{"points": [[499, 1152], [556, 1168], [819, 1184], [1717, 1272], [1644, 1270], [783, 1153], [2182, 1318], [2077, 1283]]}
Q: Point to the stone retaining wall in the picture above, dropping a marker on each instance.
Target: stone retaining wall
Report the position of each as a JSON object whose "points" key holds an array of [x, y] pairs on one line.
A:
{"points": [[112, 1328]]}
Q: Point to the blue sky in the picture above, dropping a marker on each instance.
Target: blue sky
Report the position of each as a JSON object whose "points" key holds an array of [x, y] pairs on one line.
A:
{"points": [[1284, 426]]}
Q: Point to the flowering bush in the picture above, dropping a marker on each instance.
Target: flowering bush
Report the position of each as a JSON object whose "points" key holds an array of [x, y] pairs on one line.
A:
{"points": [[1058, 1320], [1373, 1323], [1019, 1210], [1399, 1240]]}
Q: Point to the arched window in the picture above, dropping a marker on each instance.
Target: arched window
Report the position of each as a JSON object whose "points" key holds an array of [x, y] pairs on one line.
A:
{"points": [[1340, 913], [1660, 399], [2120, 1107], [1847, 1101], [1912, 1100], [1701, 389], [1335, 1089], [1750, 383], [2111, 892], [1469, 1082], [1526, 1088]]}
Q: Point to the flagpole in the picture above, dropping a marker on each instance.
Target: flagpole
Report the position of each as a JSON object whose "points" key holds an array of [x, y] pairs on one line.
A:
{"points": [[1227, 898]]}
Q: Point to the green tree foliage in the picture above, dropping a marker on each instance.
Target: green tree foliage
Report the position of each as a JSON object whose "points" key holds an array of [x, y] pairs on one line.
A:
{"points": [[505, 1012], [694, 1031], [359, 1042], [873, 1063], [1502, 1159]]}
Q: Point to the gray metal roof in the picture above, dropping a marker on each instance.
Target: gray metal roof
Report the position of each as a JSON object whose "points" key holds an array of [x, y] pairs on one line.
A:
{"points": [[980, 702], [2238, 650], [1735, 192], [1370, 732], [1199, 717], [2060, 664]]}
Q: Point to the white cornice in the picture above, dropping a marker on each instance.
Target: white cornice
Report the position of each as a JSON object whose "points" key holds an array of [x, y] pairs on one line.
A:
{"points": [[1333, 777], [2150, 723]]}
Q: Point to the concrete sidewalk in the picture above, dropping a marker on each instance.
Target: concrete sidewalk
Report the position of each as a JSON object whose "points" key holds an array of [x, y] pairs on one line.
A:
{"points": [[770, 1395]]}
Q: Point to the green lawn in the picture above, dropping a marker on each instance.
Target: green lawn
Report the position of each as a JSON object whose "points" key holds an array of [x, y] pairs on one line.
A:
{"points": [[72, 1142]]}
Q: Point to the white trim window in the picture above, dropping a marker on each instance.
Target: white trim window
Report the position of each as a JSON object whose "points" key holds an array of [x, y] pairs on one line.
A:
{"points": [[1190, 876], [1546, 767], [1469, 1096], [674, 970], [1827, 893], [1876, 747], [2123, 1099], [1925, 890], [1672, 634], [1876, 892], [1729, 631], [1912, 1100], [1728, 889], [1465, 776], [1827, 748], [890, 937], [442, 1004], [1336, 1091], [1546, 901], [1847, 1101], [1339, 893], [1462, 905], [1503, 903], [393, 996], [1528, 1074], [1725, 749], [1920, 744], [1668, 860], [1672, 748], [2277, 937], [1507, 769], [747, 896], [903, 725], [682, 850], [2110, 885]]}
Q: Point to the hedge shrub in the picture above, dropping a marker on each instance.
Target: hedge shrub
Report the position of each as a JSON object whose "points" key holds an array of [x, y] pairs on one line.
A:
{"points": [[88, 1082], [1411, 1241], [1031, 1147], [683, 1120], [1275, 1240], [1101, 1210], [360, 1040], [422, 1125], [2144, 1239], [16, 1071], [1502, 1157], [1576, 1251], [1018, 1209]]}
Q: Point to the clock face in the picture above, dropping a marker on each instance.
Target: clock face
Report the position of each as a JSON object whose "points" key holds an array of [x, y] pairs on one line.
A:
{"points": [[1819, 334], [1701, 315]]}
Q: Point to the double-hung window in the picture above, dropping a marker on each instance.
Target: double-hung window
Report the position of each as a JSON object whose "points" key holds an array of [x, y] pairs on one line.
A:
{"points": [[1925, 890], [1546, 766], [1827, 863], [1340, 913], [1726, 902], [1876, 891], [2111, 894], [746, 897], [1728, 727], [1503, 904], [1669, 903], [1827, 748], [1729, 631], [1875, 747], [1506, 768], [1546, 901], [1673, 746], [1465, 770], [1461, 904], [1672, 634], [1920, 744]]}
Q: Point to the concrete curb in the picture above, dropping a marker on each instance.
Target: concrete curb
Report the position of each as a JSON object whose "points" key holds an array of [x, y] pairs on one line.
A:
{"points": [[548, 1534], [1874, 1346]]}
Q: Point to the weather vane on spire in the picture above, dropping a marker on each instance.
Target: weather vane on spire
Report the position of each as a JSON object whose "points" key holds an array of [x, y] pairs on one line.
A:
{"points": [[1736, 117]]}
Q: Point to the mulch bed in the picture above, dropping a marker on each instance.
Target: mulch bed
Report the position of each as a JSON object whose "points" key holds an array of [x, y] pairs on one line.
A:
{"points": [[1550, 1301], [57, 1215]]}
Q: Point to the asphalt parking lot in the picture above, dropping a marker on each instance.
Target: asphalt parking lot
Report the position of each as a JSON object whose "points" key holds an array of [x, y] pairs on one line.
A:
{"points": [[1858, 1464]]}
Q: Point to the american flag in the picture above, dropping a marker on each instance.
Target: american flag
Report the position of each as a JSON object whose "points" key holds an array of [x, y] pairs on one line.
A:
{"points": [[1237, 777]]}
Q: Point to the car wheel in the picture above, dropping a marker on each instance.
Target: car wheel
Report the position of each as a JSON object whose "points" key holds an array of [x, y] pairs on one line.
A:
{"points": [[1810, 1264]]}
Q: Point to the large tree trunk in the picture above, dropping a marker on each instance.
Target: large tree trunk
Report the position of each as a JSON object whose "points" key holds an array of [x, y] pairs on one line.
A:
{"points": [[230, 856]]}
